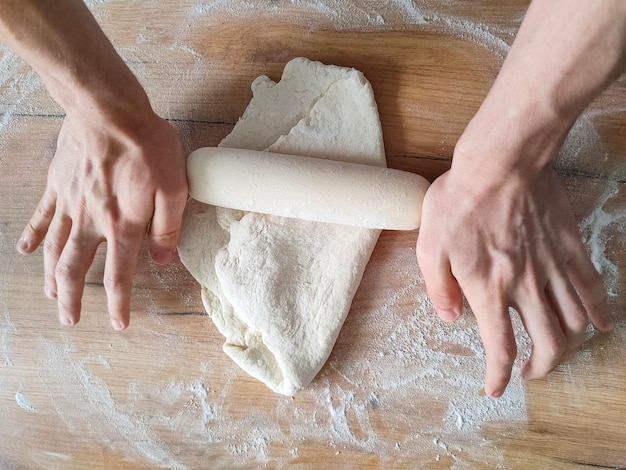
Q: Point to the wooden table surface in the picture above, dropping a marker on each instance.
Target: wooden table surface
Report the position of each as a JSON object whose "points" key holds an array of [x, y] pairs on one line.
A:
{"points": [[401, 389]]}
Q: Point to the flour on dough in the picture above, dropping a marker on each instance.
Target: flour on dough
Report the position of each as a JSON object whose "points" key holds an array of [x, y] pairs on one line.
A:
{"points": [[279, 289]]}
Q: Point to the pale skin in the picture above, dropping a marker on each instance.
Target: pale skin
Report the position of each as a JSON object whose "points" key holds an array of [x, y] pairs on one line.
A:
{"points": [[118, 174], [509, 238]]}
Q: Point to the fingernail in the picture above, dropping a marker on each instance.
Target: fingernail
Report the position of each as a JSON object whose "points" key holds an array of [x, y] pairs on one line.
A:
{"points": [[447, 315], [22, 244], [51, 294], [163, 256], [117, 325], [67, 321], [496, 394]]}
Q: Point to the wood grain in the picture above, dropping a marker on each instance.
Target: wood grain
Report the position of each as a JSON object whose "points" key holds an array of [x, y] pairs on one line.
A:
{"points": [[163, 394]]}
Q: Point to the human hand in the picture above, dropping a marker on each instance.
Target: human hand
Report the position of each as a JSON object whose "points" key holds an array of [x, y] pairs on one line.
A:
{"points": [[498, 226], [507, 242], [114, 179]]}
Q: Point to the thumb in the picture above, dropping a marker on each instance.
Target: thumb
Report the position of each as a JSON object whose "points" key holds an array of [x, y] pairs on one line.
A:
{"points": [[442, 287], [164, 230], [34, 233]]}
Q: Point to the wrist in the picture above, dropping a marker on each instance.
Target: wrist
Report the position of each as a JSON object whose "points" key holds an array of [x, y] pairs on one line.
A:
{"points": [[114, 97], [562, 58], [512, 135], [77, 63]]}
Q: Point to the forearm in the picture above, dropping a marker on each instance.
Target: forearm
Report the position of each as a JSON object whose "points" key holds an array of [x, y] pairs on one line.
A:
{"points": [[565, 54], [65, 46], [118, 173]]}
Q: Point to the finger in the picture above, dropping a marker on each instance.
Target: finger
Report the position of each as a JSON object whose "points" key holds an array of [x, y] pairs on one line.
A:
{"points": [[164, 230], [545, 331], [572, 315], [496, 332], [37, 227], [121, 263], [56, 238], [588, 283], [442, 287], [70, 272]]}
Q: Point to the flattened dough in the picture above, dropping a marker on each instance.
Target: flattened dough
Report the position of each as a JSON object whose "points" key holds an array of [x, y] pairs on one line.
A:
{"points": [[279, 289]]}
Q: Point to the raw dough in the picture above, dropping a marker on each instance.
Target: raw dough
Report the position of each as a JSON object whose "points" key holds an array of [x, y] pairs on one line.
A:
{"points": [[279, 289]]}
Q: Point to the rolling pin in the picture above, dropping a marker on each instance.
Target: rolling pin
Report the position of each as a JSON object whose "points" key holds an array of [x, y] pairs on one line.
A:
{"points": [[306, 188]]}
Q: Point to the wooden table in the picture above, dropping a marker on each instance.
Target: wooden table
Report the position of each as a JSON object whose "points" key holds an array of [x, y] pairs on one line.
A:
{"points": [[401, 390]]}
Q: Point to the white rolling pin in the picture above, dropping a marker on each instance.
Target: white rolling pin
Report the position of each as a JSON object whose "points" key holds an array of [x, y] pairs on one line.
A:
{"points": [[306, 188]]}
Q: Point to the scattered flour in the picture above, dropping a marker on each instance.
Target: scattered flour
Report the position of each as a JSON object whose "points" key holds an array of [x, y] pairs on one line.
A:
{"points": [[59, 456], [408, 354], [369, 15], [491, 38], [18, 84], [7, 328], [75, 388], [22, 402], [404, 360], [593, 229]]}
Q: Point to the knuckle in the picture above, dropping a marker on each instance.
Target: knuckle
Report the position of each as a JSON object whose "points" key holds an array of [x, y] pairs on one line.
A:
{"points": [[166, 238], [114, 223], [533, 280], [503, 276], [555, 346], [49, 278], [34, 230], [115, 283], [444, 299], [503, 355], [51, 246], [428, 262], [597, 298], [542, 369], [506, 356], [65, 271], [589, 275], [419, 247], [69, 307], [121, 230], [180, 194], [45, 211], [425, 255], [579, 320]]}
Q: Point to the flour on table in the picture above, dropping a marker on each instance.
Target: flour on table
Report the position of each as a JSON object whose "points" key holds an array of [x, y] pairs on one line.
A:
{"points": [[279, 289]]}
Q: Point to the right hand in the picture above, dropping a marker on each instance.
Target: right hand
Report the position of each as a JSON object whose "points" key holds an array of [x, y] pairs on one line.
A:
{"points": [[510, 240]]}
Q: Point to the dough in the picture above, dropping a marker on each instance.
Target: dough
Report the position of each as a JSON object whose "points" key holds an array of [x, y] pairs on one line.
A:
{"points": [[279, 289]]}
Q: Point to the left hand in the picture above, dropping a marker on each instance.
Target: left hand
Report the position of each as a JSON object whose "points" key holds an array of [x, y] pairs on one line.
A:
{"points": [[112, 179]]}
